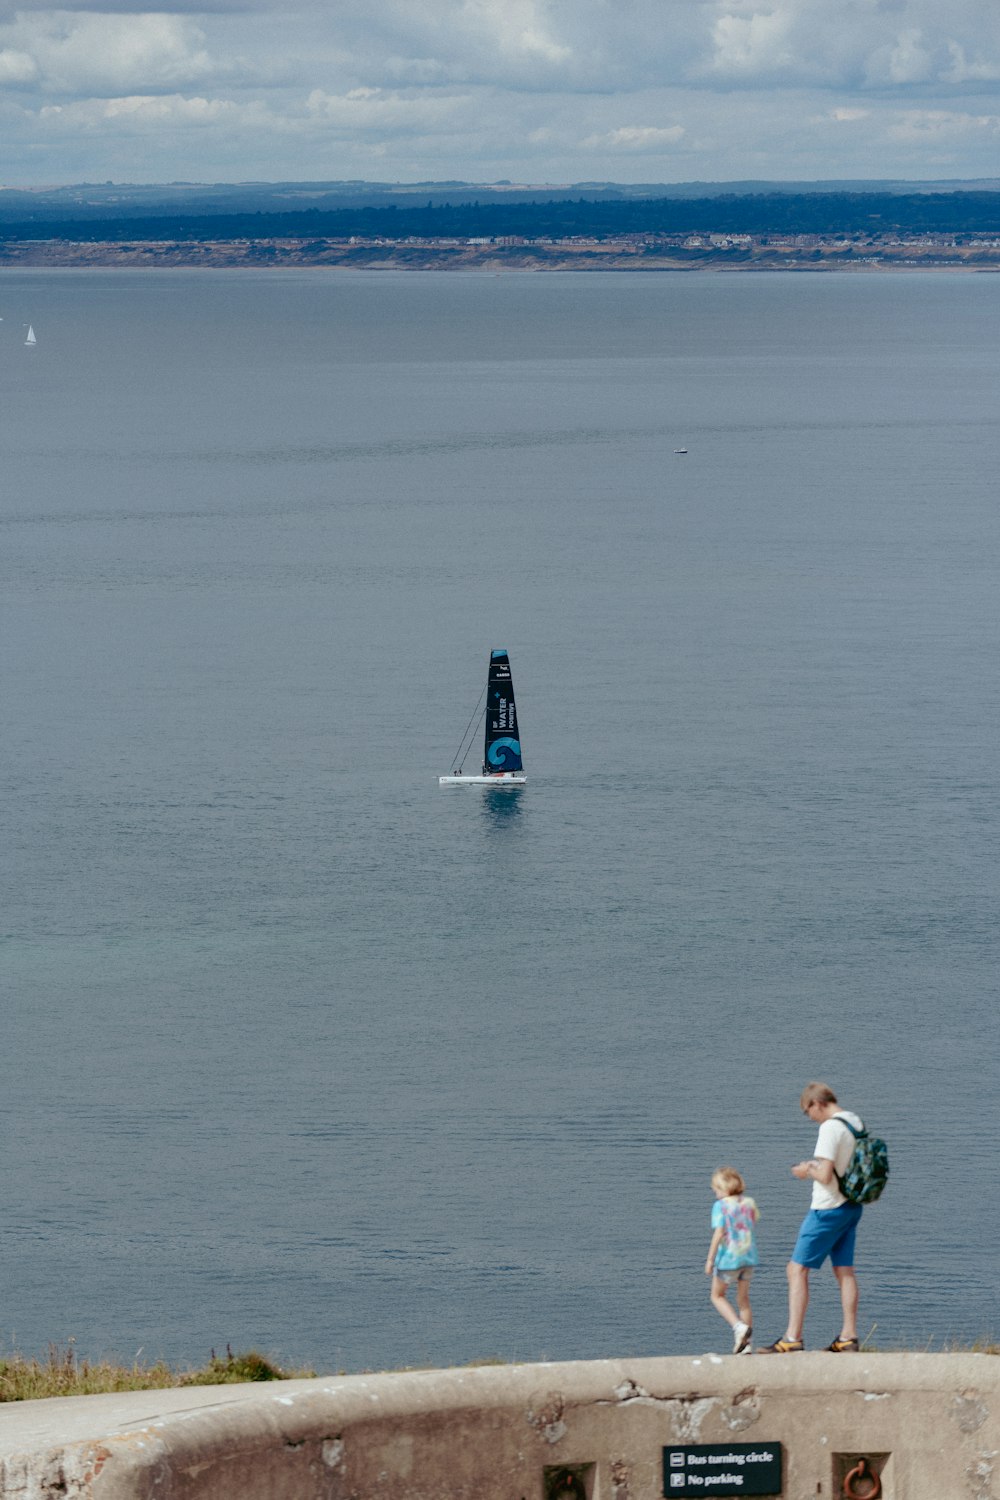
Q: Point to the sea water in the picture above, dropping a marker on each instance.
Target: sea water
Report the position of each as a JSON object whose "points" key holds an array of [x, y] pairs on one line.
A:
{"points": [[302, 1051]]}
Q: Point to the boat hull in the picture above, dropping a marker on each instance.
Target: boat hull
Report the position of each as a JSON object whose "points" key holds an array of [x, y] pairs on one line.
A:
{"points": [[505, 779]]}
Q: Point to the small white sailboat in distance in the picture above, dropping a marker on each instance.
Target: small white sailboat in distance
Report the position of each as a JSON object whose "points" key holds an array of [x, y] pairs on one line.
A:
{"points": [[30, 341], [502, 766]]}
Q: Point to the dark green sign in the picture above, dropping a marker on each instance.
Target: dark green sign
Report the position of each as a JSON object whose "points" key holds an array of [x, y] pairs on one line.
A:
{"points": [[721, 1469]]}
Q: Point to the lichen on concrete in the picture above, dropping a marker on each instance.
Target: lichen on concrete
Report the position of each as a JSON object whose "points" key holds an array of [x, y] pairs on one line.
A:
{"points": [[969, 1411]]}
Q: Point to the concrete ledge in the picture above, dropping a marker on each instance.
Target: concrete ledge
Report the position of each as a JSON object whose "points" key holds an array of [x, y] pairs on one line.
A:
{"points": [[931, 1422]]}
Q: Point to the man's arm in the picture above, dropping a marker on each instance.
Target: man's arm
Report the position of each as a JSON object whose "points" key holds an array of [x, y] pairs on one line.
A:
{"points": [[819, 1168], [713, 1251]]}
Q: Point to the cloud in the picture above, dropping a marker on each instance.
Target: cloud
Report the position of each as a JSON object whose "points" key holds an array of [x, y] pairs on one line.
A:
{"points": [[17, 67], [908, 58], [936, 126], [385, 112], [144, 111], [523, 89], [515, 42], [73, 54], [860, 43], [10, 10], [756, 45], [573, 46], [653, 138], [517, 28], [962, 70]]}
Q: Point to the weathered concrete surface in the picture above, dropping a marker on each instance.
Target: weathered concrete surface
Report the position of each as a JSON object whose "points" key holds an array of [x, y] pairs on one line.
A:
{"points": [[931, 1422]]}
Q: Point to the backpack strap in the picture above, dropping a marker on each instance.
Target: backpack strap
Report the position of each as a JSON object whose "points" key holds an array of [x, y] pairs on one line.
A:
{"points": [[857, 1134]]}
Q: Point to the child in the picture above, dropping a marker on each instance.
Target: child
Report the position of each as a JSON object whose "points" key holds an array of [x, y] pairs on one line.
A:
{"points": [[732, 1254]]}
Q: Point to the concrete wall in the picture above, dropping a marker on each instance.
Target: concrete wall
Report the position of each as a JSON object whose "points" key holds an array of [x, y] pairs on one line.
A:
{"points": [[930, 1423]]}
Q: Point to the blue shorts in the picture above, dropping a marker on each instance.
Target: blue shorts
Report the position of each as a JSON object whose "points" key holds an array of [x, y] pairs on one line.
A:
{"points": [[828, 1232]]}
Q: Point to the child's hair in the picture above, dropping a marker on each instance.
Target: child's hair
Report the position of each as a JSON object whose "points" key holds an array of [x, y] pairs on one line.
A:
{"points": [[728, 1180]]}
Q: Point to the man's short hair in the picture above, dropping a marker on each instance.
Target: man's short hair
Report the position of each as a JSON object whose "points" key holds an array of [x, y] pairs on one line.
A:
{"points": [[817, 1093]]}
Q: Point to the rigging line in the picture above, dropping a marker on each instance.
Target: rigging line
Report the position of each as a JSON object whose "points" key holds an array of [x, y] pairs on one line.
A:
{"points": [[465, 751], [461, 754], [467, 740]]}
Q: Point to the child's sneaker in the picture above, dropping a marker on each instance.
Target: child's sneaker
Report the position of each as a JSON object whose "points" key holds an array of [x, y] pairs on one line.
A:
{"points": [[742, 1334]]}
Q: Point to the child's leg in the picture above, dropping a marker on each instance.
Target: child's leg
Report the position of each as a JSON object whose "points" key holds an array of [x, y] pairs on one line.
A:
{"points": [[719, 1301], [743, 1300]]}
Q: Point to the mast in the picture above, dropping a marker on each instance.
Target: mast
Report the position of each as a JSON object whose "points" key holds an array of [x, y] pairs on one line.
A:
{"points": [[503, 747]]}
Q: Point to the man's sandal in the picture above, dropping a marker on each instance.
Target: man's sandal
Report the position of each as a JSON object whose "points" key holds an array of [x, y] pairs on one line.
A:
{"points": [[842, 1346], [783, 1346]]}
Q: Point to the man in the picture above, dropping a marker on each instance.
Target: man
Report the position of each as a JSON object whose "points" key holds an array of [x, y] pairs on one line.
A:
{"points": [[829, 1227]]}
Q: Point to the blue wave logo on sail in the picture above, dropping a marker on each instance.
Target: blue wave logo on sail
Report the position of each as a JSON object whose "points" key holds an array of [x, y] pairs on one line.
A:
{"points": [[505, 755]]}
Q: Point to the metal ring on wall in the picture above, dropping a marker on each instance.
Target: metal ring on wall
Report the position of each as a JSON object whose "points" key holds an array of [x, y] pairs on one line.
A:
{"points": [[862, 1472]]}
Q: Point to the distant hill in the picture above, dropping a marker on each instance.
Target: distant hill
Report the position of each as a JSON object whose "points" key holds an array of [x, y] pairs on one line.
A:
{"points": [[119, 201], [878, 212]]}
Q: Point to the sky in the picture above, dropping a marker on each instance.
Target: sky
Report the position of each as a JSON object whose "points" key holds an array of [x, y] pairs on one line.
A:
{"points": [[533, 91]]}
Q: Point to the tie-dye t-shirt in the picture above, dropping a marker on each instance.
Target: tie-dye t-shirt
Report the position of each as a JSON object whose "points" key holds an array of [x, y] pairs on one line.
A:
{"points": [[737, 1218]]}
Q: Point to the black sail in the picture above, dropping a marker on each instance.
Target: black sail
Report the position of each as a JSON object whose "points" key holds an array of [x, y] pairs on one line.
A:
{"points": [[503, 745]]}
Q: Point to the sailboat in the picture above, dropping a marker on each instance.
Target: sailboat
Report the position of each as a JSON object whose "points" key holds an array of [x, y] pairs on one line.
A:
{"points": [[31, 341], [502, 752]]}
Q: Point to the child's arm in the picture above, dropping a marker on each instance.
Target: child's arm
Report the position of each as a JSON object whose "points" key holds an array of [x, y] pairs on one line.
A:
{"points": [[713, 1251]]}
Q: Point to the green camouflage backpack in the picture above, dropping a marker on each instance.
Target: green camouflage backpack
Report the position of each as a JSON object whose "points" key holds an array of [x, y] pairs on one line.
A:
{"points": [[868, 1169]]}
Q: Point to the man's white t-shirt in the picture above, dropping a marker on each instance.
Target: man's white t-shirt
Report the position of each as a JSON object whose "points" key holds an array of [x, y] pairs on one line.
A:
{"points": [[834, 1143]]}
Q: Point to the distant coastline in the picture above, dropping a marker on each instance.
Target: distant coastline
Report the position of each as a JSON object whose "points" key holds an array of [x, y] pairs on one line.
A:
{"points": [[488, 229], [631, 254]]}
